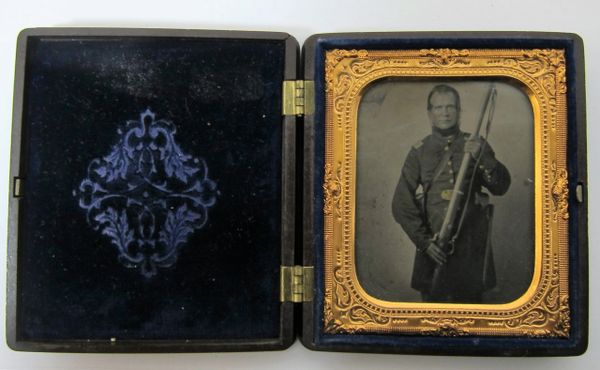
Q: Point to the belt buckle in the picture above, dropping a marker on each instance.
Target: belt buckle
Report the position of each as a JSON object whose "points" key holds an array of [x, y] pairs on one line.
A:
{"points": [[446, 194]]}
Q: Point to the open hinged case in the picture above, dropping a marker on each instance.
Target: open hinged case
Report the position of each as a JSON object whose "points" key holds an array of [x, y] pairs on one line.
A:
{"points": [[183, 191]]}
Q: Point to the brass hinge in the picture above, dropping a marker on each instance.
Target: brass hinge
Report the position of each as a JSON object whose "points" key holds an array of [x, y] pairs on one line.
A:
{"points": [[298, 97], [296, 283]]}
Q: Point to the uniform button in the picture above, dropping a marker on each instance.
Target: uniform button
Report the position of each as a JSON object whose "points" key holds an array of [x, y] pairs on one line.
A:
{"points": [[446, 148], [451, 181], [449, 163]]}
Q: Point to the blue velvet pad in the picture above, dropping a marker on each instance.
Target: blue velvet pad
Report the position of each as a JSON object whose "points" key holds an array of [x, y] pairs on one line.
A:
{"points": [[441, 345], [152, 204]]}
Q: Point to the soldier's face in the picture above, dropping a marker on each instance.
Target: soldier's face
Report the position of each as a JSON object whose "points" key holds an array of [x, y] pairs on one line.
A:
{"points": [[444, 112]]}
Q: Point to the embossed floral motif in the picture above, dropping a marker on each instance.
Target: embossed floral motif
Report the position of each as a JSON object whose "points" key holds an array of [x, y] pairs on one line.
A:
{"points": [[553, 57], [332, 188], [445, 57], [560, 193], [147, 196]]}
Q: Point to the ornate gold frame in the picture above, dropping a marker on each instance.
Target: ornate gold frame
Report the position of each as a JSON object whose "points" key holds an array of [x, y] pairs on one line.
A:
{"points": [[543, 310]]}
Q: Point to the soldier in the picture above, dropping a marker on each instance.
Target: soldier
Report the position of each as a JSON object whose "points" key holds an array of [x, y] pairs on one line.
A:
{"points": [[422, 196]]}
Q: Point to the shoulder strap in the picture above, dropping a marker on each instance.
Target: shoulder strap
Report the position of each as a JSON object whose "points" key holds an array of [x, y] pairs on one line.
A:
{"points": [[418, 144]]}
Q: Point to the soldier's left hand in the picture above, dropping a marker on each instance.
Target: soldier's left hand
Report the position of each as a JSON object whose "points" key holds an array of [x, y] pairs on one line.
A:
{"points": [[473, 147]]}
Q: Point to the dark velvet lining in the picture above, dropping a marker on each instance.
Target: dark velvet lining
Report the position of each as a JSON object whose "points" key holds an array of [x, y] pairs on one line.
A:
{"points": [[224, 97], [440, 345]]}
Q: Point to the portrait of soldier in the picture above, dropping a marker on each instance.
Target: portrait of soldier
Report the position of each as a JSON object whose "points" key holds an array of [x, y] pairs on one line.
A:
{"points": [[462, 268]]}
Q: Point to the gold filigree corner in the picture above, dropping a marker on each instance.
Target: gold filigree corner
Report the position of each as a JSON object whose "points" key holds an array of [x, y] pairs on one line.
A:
{"points": [[552, 57], [333, 327], [548, 318], [562, 327], [548, 60], [333, 58]]}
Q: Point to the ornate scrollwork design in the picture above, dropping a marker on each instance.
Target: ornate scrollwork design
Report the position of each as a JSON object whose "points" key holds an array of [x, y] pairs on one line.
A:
{"points": [[445, 321], [146, 195], [547, 66], [332, 60], [332, 188], [446, 327], [359, 314], [344, 305], [551, 57], [543, 311], [551, 318], [563, 324], [444, 57], [560, 193]]}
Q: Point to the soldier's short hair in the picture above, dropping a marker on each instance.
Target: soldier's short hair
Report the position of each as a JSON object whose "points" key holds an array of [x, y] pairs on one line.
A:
{"points": [[444, 89]]}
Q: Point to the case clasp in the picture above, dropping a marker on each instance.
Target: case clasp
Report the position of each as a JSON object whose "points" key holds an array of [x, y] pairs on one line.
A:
{"points": [[296, 283], [298, 98]]}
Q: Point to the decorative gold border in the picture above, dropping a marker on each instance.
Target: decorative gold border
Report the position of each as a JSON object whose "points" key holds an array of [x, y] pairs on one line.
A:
{"points": [[543, 311]]}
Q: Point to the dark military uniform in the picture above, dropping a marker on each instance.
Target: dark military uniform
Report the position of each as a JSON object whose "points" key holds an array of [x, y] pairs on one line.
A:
{"points": [[468, 270]]}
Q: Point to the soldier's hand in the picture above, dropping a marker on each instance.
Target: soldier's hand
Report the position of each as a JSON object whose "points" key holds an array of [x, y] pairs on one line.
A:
{"points": [[473, 147], [436, 253]]}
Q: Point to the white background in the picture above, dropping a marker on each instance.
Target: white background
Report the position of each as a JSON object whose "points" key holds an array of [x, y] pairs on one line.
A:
{"points": [[301, 19]]}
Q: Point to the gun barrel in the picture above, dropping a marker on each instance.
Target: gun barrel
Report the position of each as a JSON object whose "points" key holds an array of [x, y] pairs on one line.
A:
{"points": [[449, 224]]}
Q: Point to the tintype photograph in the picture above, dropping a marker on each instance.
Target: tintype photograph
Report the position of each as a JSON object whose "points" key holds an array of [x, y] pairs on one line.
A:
{"points": [[444, 191]]}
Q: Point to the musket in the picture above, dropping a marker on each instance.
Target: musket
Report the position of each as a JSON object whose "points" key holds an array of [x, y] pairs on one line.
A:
{"points": [[448, 231]]}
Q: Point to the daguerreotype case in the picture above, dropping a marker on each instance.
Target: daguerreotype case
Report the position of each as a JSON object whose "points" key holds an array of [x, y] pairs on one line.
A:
{"points": [[186, 191]]}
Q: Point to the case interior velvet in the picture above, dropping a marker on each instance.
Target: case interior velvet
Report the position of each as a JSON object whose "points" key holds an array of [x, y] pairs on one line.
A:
{"points": [[313, 335], [139, 119]]}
